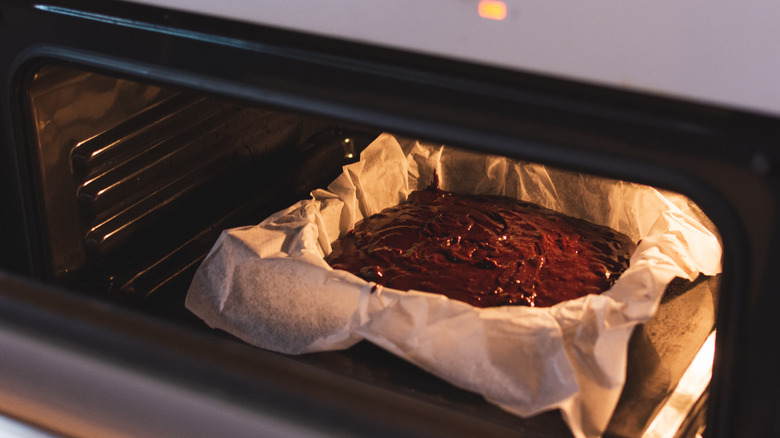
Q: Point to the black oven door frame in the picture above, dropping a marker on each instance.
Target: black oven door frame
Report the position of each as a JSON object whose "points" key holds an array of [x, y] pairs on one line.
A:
{"points": [[723, 159]]}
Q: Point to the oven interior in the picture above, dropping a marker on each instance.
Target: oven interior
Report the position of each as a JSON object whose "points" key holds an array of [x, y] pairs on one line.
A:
{"points": [[137, 181], [134, 182]]}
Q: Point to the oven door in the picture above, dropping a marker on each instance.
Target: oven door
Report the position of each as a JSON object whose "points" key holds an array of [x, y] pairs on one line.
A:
{"points": [[84, 365]]}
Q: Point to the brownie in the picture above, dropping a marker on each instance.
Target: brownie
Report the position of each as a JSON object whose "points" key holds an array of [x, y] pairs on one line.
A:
{"points": [[483, 250]]}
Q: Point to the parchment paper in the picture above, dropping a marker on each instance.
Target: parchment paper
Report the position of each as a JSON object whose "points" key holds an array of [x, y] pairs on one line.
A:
{"points": [[270, 286]]}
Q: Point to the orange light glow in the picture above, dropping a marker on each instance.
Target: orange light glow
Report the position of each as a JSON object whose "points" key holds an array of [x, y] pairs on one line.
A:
{"points": [[492, 9]]}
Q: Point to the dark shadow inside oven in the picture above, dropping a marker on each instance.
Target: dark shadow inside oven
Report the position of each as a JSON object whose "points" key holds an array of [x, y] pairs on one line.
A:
{"points": [[136, 182]]}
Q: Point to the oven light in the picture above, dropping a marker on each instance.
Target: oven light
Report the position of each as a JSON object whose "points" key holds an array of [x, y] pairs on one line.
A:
{"points": [[492, 9], [349, 148]]}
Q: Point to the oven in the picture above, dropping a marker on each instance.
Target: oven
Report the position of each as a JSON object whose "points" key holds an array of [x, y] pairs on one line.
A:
{"points": [[132, 135]]}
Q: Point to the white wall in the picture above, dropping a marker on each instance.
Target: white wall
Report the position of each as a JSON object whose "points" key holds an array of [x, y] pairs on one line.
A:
{"points": [[715, 51]]}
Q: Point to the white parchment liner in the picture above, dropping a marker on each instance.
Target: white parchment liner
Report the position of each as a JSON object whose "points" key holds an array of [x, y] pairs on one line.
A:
{"points": [[270, 286]]}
